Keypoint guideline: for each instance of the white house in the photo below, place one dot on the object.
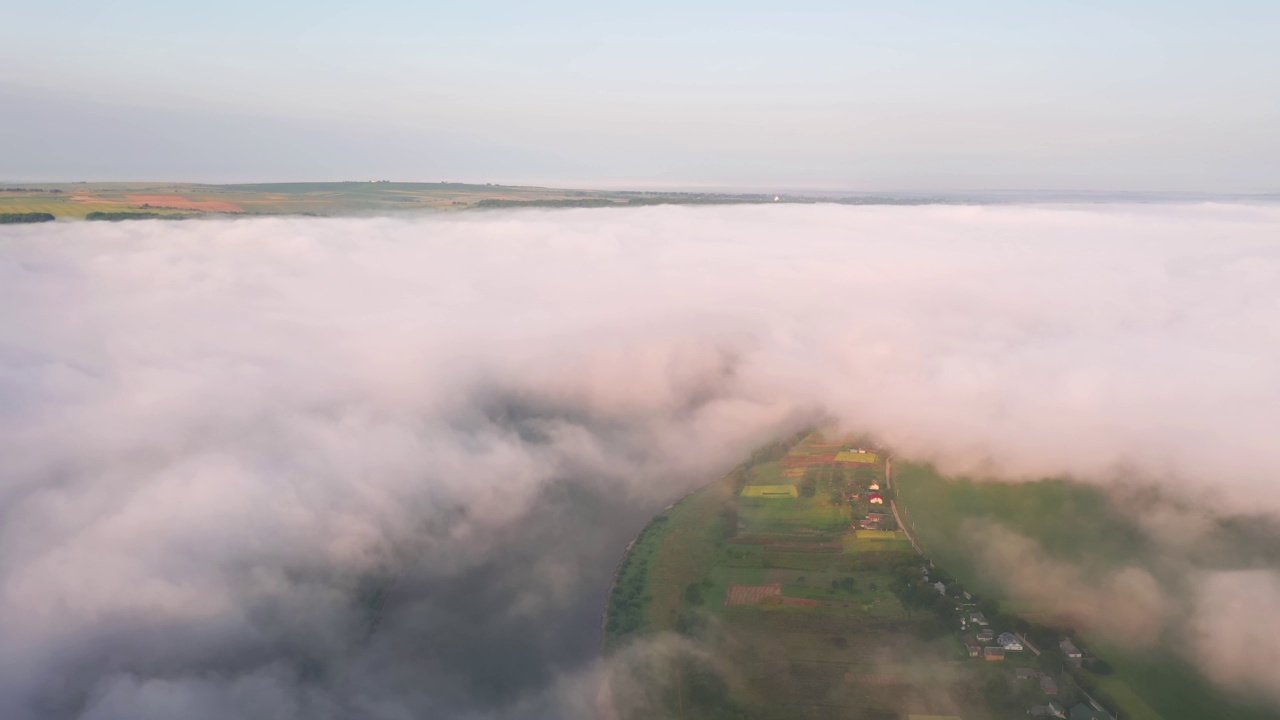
(1009, 641)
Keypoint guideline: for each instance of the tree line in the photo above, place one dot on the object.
(128, 215)
(30, 217)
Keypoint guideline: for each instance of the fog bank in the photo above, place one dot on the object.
(382, 468)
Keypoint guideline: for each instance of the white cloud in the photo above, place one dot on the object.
(1235, 629)
(214, 432)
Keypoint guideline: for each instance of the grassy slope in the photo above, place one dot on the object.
(688, 551)
(675, 549)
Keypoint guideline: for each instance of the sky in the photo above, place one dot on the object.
(219, 435)
(856, 96)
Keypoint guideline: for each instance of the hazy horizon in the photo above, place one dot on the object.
(976, 196)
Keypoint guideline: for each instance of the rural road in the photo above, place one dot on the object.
(893, 505)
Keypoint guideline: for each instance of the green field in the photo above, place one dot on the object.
(845, 629)
(770, 491)
(783, 514)
(808, 617)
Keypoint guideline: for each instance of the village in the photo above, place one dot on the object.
(1049, 676)
(981, 641)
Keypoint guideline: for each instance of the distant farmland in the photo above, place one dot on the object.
(77, 200)
(73, 201)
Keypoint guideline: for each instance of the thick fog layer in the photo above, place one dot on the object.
(383, 468)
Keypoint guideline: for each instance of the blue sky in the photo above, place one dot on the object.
(857, 96)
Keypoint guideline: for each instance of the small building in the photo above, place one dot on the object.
(987, 635)
(979, 619)
(877, 521)
(993, 653)
(972, 645)
(874, 485)
(941, 588)
(875, 498)
(1009, 641)
(1074, 655)
(1048, 686)
(1024, 673)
